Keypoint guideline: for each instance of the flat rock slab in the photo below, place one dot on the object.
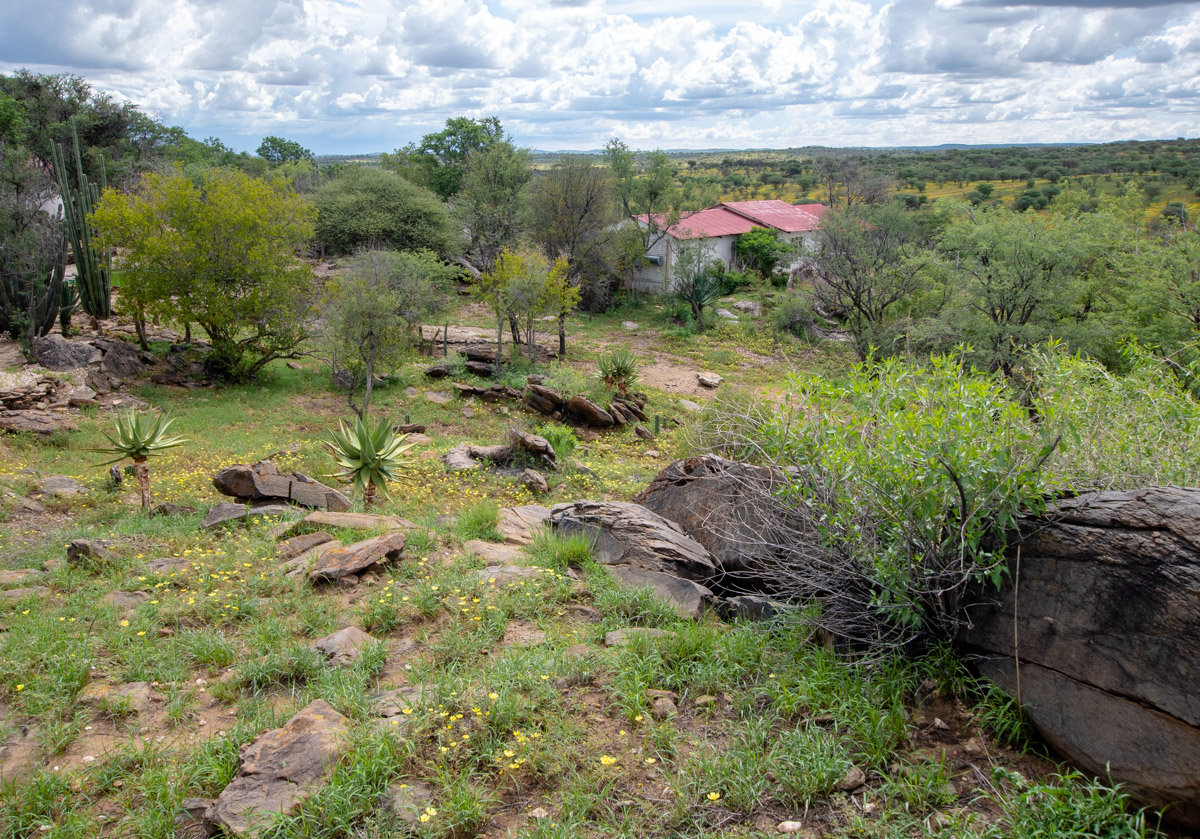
(226, 513)
(18, 594)
(345, 521)
(633, 635)
(494, 554)
(60, 486)
(506, 574)
(89, 551)
(20, 577)
(343, 646)
(393, 702)
(168, 566)
(300, 545)
(405, 802)
(280, 769)
(351, 559)
(518, 525)
(520, 633)
(134, 695)
(20, 755)
(264, 480)
(459, 459)
(125, 601)
(439, 397)
(629, 534)
(688, 598)
(35, 422)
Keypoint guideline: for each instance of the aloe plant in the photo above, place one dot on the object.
(370, 457)
(139, 437)
(618, 369)
(94, 269)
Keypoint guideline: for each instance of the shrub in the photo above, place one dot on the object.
(794, 314)
(370, 207)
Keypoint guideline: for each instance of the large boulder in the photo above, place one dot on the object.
(280, 769)
(629, 534)
(264, 480)
(1097, 632)
(54, 352)
(689, 598)
(121, 361)
(351, 560)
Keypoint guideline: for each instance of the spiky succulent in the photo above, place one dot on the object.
(618, 368)
(138, 437)
(369, 457)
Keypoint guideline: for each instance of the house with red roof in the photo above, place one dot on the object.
(718, 228)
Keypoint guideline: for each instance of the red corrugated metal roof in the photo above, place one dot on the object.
(704, 224)
(790, 218)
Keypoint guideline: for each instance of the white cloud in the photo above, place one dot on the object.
(349, 76)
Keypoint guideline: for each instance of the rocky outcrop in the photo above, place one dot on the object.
(54, 352)
(265, 481)
(689, 598)
(42, 423)
(280, 769)
(518, 525)
(225, 513)
(1103, 599)
(352, 560)
(629, 534)
(521, 446)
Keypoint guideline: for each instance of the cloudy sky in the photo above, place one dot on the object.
(345, 76)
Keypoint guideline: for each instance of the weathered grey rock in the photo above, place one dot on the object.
(643, 432)
(630, 534)
(60, 486)
(584, 410)
(135, 696)
(121, 362)
(725, 314)
(224, 513)
(635, 634)
(169, 566)
(125, 601)
(280, 769)
(730, 508)
(264, 480)
(343, 646)
(709, 380)
(459, 459)
(437, 371)
(54, 352)
(533, 446)
(518, 525)
(1108, 621)
(19, 576)
(405, 802)
(89, 551)
(16, 595)
(352, 559)
(688, 598)
(535, 482)
(493, 553)
(479, 368)
(751, 607)
(395, 701)
(629, 326)
(337, 521)
(289, 549)
(81, 397)
(749, 307)
(663, 707)
(190, 822)
(689, 405)
(852, 780)
(439, 397)
(504, 574)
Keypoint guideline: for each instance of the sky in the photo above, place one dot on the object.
(358, 76)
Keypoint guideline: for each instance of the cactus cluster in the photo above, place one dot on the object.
(93, 268)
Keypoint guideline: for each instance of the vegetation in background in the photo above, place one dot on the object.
(372, 208)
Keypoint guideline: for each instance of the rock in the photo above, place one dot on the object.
(125, 601)
(135, 696)
(89, 551)
(406, 802)
(343, 646)
(410, 428)
(706, 700)
(439, 397)
(437, 371)
(587, 614)
(651, 453)
(727, 315)
(629, 534)
(16, 595)
(480, 368)
(291, 365)
(19, 576)
(625, 637)
(663, 707)
(1108, 619)
(730, 508)
(520, 633)
(791, 827)
(459, 459)
(351, 559)
(533, 446)
(535, 482)
(290, 549)
(349, 521)
(54, 352)
(539, 813)
(518, 525)
(505, 574)
(81, 397)
(852, 780)
(264, 481)
(190, 822)
(60, 486)
(280, 769)
(643, 432)
(395, 701)
(167, 566)
(121, 362)
(417, 438)
(751, 607)
(688, 598)
(224, 513)
(19, 755)
(709, 380)
(584, 410)
(492, 553)
(629, 326)
(749, 307)
(689, 405)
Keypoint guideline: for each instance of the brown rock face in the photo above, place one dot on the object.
(264, 480)
(1107, 622)
(584, 410)
(351, 559)
(280, 769)
(519, 524)
(343, 646)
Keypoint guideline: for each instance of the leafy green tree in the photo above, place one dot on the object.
(278, 150)
(761, 250)
(525, 285)
(439, 161)
(221, 254)
(370, 207)
(492, 203)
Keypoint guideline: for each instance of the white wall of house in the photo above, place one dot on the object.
(653, 276)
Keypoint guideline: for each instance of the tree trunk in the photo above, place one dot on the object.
(141, 470)
(368, 495)
(562, 334)
(499, 343)
(366, 404)
(515, 326)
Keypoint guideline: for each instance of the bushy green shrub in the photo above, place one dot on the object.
(371, 207)
(794, 314)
